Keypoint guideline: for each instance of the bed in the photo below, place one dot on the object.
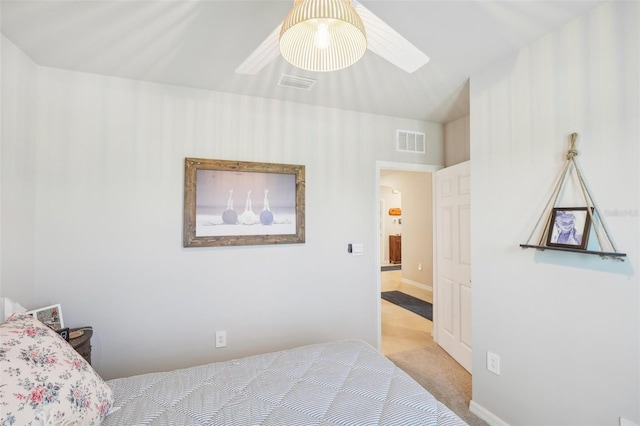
(344, 382)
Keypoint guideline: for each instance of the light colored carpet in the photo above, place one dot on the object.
(438, 373)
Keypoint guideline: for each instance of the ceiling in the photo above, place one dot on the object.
(199, 44)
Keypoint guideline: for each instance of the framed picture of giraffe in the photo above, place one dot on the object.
(234, 203)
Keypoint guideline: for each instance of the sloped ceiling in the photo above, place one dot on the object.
(199, 44)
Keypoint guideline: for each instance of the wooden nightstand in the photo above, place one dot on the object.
(82, 344)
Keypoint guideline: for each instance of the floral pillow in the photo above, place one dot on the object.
(44, 381)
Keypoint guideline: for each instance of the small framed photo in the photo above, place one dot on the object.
(569, 227)
(50, 316)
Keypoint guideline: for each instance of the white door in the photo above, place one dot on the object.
(452, 289)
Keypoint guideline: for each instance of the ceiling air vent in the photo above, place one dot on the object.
(408, 141)
(294, 82)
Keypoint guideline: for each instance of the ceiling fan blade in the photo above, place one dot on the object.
(268, 50)
(387, 43)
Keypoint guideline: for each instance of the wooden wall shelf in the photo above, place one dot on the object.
(602, 233)
(603, 254)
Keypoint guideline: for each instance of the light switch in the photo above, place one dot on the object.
(357, 249)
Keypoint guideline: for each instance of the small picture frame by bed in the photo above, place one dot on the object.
(235, 203)
(50, 316)
(569, 227)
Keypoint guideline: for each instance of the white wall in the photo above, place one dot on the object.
(17, 165)
(565, 325)
(107, 224)
(456, 141)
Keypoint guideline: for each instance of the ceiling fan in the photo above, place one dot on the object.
(381, 39)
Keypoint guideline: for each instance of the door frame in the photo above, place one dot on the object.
(401, 167)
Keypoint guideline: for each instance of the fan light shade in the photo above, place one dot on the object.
(322, 35)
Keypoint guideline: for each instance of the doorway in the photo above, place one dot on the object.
(390, 225)
(415, 272)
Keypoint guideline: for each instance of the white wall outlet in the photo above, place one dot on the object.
(221, 339)
(493, 363)
(419, 266)
(357, 249)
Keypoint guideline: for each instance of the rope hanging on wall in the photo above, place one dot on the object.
(607, 246)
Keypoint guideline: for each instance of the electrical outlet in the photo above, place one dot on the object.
(221, 339)
(419, 266)
(493, 363)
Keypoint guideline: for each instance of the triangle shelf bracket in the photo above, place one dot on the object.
(606, 243)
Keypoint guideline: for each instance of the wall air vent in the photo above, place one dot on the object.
(408, 141)
(295, 82)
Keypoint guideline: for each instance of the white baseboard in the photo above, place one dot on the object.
(486, 415)
(417, 284)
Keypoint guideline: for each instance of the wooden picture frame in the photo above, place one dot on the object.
(221, 198)
(569, 227)
(50, 316)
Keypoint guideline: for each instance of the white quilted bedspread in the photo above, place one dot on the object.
(337, 383)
